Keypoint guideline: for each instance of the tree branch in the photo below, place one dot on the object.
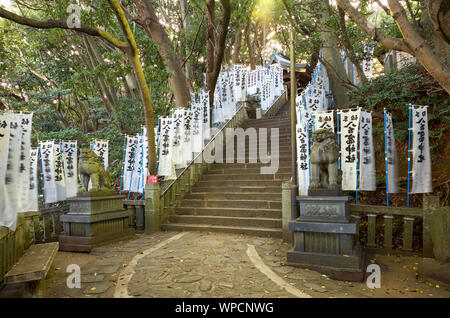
(376, 34)
(61, 24)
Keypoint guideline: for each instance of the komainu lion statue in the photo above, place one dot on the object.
(324, 160)
(91, 168)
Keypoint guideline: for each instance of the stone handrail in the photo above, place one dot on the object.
(276, 105)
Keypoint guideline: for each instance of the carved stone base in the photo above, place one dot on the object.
(324, 208)
(94, 221)
(324, 238)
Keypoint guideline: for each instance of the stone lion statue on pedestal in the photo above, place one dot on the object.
(91, 169)
(324, 160)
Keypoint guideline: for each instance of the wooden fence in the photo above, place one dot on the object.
(32, 228)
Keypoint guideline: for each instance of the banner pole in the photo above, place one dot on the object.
(64, 169)
(409, 154)
(386, 157)
(339, 138)
(131, 177)
(141, 163)
(42, 175)
(123, 163)
(357, 160)
(157, 145)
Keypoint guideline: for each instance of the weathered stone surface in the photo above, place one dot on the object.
(225, 285)
(205, 285)
(440, 233)
(92, 278)
(315, 287)
(283, 269)
(97, 288)
(188, 278)
(109, 269)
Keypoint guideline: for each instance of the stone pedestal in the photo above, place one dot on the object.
(324, 238)
(93, 221)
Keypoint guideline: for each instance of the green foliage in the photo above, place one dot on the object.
(395, 91)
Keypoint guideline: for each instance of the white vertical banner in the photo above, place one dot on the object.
(391, 155)
(5, 125)
(101, 150)
(218, 107)
(33, 196)
(302, 156)
(421, 160)
(349, 154)
(367, 176)
(324, 121)
(178, 127)
(24, 159)
(70, 161)
(10, 207)
(145, 159)
(137, 165)
(165, 166)
(367, 61)
(131, 148)
(316, 98)
(197, 128)
(204, 101)
(187, 136)
(60, 179)
(48, 171)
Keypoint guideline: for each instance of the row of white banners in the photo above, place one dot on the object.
(238, 82)
(356, 137)
(180, 136)
(19, 168)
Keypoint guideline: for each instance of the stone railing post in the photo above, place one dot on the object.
(430, 204)
(152, 201)
(287, 197)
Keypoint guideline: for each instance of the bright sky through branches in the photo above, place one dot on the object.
(5, 3)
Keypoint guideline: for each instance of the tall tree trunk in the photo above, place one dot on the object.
(133, 55)
(334, 64)
(184, 8)
(237, 45)
(248, 43)
(215, 48)
(149, 21)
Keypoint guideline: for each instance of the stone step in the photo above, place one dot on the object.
(239, 183)
(281, 152)
(226, 221)
(262, 232)
(281, 157)
(233, 196)
(231, 212)
(232, 170)
(252, 204)
(282, 164)
(243, 189)
(268, 121)
(235, 177)
(282, 147)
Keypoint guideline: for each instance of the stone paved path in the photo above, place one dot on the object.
(199, 264)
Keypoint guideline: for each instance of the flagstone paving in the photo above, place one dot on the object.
(200, 264)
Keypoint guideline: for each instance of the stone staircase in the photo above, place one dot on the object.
(236, 197)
